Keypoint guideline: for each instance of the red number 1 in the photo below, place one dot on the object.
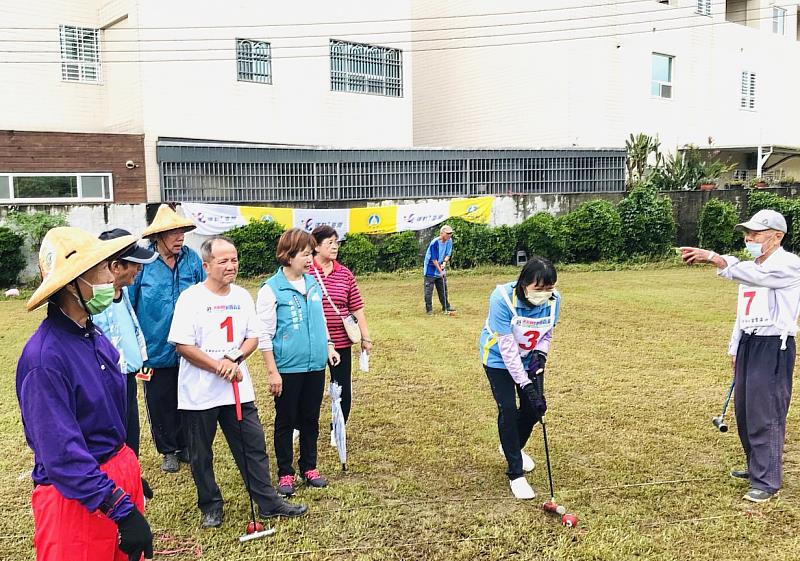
(228, 323)
(750, 294)
(533, 337)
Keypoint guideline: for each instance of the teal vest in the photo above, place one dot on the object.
(300, 343)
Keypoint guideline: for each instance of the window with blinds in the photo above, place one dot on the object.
(254, 61)
(704, 7)
(748, 97)
(80, 53)
(370, 69)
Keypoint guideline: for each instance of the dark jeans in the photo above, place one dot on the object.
(132, 422)
(761, 399)
(441, 291)
(513, 423)
(161, 397)
(201, 428)
(342, 375)
(298, 406)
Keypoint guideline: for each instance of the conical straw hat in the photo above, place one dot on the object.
(167, 219)
(66, 253)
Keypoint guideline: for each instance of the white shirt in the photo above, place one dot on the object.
(266, 310)
(779, 272)
(215, 324)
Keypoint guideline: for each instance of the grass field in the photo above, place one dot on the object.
(637, 369)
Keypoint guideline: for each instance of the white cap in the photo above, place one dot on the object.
(764, 220)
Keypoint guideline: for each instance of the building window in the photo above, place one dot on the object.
(748, 99)
(778, 20)
(55, 187)
(661, 84)
(366, 69)
(80, 53)
(704, 7)
(254, 61)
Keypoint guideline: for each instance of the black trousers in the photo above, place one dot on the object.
(298, 406)
(161, 397)
(761, 399)
(513, 423)
(201, 428)
(441, 292)
(343, 375)
(132, 421)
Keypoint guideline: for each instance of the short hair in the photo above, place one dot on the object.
(322, 233)
(292, 242)
(537, 270)
(207, 248)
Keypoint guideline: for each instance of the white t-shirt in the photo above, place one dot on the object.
(215, 324)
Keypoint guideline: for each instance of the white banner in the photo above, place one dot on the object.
(212, 220)
(309, 218)
(422, 215)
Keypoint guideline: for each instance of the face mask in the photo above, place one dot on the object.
(755, 249)
(538, 297)
(102, 296)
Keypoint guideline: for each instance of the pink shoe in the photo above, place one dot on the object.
(286, 485)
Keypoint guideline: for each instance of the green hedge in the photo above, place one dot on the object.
(592, 232)
(10, 256)
(789, 208)
(647, 225)
(398, 251)
(715, 228)
(358, 254)
(257, 243)
(543, 235)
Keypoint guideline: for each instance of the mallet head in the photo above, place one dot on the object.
(719, 422)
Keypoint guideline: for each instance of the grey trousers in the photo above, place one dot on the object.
(761, 399)
(441, 292)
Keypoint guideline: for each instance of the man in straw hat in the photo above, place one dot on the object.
(153, 294)
(87, 498)
(762, 345)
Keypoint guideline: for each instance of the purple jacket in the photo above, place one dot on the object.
(73, 402)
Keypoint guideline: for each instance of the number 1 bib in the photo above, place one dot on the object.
(753, 306)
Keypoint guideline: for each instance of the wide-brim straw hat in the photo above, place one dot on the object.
(167, 219)
(65, 254)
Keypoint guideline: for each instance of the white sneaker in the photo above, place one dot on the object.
(295, 435)
(522, 489)
(333, 440)
(527, 462)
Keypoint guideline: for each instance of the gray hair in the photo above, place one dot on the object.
(206, 250)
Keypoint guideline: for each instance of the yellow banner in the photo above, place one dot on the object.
(374, 220)
(283, 216)
(477, 209)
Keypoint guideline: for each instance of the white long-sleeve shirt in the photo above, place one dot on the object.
(779, 272)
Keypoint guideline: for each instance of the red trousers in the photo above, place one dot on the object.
(65, 531)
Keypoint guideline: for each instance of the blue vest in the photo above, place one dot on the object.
(300, 343)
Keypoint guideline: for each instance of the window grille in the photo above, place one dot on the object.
(254, 61)
(80, 53)
(748, 98)
(361, 68)
(661, 80)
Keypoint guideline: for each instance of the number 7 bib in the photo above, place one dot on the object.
(753, 306)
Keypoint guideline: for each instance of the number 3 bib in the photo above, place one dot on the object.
(753, 308)
(528, 331)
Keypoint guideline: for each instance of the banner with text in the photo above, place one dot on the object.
(214, 219)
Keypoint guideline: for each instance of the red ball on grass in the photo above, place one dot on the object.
(569, 520)
(254, 527)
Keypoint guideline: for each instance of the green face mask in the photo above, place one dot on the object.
(102, 296)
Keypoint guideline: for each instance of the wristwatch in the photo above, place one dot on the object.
(235, 355)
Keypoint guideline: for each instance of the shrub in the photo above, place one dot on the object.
(592, 232)
(715, 231)
(503, 245)
(647, 226)
(542, 234)
(10, 256)
(358, 254)
(35, 224)
(257, 243)
(398, 251)
(472, 244)
(789, 208)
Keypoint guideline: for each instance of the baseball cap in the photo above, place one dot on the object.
(446, 229)
(764, 220)
(135, 253)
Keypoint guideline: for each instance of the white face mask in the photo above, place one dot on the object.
(538, 297)
(755, 249)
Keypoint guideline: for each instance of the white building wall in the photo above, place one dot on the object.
(581, 76)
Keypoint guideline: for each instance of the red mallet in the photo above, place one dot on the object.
(553, 507)
(569, 520)
(254, 527)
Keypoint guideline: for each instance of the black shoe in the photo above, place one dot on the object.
(170, 463)
(285, 509)
(429, 312)
(183, 456)
(740, 473)
(212, 519)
